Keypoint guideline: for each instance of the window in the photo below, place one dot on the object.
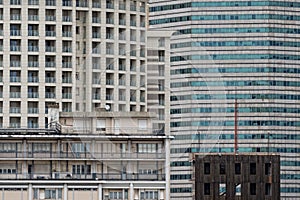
(206, 168)
(222, 189)
(41, 147)
(222, 168)
(142, 124)
(206, 189)
(100, 125)
(252, 168)
(81, 169)
(149, 195)
(267, 168)
(252, 188)
(268, 189)
(237, 168)
(238, 189)
(147, 148)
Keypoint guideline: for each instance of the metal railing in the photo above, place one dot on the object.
(79, 155)
(91, 176)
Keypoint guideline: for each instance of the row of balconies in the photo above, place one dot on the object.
(14, 175)
(78, 155)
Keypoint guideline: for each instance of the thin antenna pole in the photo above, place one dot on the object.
(235, 127)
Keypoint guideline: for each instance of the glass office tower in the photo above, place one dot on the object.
(222, 51)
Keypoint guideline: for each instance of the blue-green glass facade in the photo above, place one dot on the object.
(227, 50)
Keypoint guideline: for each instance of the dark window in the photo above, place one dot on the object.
(237, 168)
(252, 188)
(253, 168)
(267, 168)
(268, 189)
(206, 168)
(206, 189)
(222, 168)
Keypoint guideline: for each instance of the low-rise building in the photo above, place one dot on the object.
(237, 176)
(68, 163)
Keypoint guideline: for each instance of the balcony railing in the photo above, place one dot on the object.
(33, 110)
(33, 33)
(79, 155)
(33, 18)
(88, 176)
(15, 94)
(33, 95)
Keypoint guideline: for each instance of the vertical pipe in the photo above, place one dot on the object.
(235, 127)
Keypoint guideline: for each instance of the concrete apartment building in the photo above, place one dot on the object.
(99, 162)
(227, 50)
(83, 54)
(74, 118)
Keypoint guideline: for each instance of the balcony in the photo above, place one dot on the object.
(132, 7)
(122, 67)
(67, 49)
(33, 64)
(109, 21)
(122, 22)
(96, 96)
(50, 95)
(96, 5)
(50, 64)
(96, 35)
(15, 2)
(33, 79)
(14, 125)
(15, 17)
(122, 98)
(67, 65)
(122, 6)
(109, 97)
(33, 95)
(50, 49)
(50, 79)
(96, 81)
(110, 5)
(15, 48)
(110, 67)
(15, 79)
(50, 2)
(15, 32)
(110, 51)
(96, 66)
(33, 18)
(32, 125)
(132, 23)
(15, 63)
(15, 94)
(67, 19)
(67, 80)
(67, 34)
(33, 110)
(33, 48)
(67, 95)
(14, 110)
(122, 82)
(33, 33)
(132, 83)
(81, 3)
(33, 2)
(50, 18)
(142, 9)
(67, 3)
(50, 33)
(109, 82)
(96, 19)
(109, 36)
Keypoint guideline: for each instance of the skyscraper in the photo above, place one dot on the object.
(82, 54)
(227, 50)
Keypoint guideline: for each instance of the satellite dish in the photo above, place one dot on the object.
(107, 107)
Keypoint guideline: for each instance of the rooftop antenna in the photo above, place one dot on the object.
(235, 127)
